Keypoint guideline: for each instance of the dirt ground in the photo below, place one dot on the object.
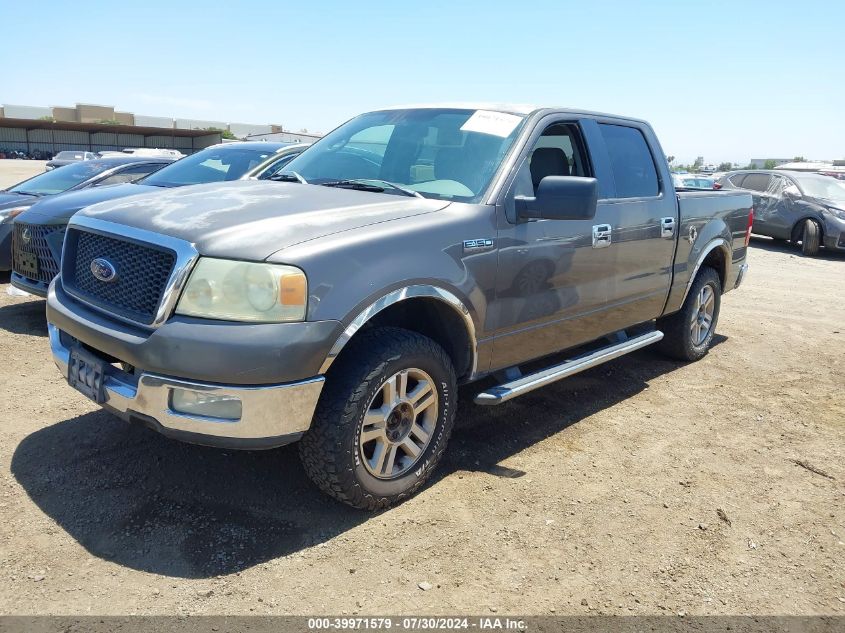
(13, 171)
(641, 487)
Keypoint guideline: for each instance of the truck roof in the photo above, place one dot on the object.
(510, 108)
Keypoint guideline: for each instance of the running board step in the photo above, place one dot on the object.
(507, 391)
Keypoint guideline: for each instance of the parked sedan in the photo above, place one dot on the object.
(67, 157)
(81, 175)
(39, 232)
(804, 208)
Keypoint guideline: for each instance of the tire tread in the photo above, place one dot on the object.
(348, 382)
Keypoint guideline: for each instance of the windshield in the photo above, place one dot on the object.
(823, 187)
(70, 156)
(449, 154)
(61, 179)
(214, 164)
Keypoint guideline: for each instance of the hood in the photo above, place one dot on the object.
(9, 199)
(252, 219)
(830, 202)
(58, 209)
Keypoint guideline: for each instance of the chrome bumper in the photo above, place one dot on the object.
(272, 415)
(743, 269)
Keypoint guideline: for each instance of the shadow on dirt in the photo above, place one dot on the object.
(26, 317)
(782, 246)
(140, 500)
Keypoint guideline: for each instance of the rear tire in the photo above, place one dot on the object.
(687, 334)
(383, 420)
(810, 238)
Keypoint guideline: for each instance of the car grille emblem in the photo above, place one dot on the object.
(103, 270)
(26, 235)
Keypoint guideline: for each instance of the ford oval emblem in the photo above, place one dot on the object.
(103, 269)
(26, 235)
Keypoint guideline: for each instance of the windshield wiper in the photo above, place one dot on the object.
(290, 176)
(28, 193)
(363, 184)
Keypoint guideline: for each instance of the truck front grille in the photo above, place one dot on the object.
(32, 239)
(142, 273)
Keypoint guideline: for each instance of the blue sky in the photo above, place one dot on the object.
(725, 80)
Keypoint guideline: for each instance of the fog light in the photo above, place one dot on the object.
(205, 404)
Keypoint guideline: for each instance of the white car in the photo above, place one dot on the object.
(693, 181)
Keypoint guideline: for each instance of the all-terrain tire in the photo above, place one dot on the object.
(677, 328)
(330, 451)
(810, 238)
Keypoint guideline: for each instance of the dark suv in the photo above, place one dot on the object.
(86, 174)
(800, 207)
(39, 231)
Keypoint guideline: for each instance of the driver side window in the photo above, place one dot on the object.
(558, 152)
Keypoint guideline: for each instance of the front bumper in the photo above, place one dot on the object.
(834, 233)
(38, 288)
(6, 245)
(271, 415)
(200, 350)
(743, 269)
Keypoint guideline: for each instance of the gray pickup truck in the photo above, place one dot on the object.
(412, 250)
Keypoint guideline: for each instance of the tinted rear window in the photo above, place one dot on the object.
(631, 161)
(756, 182)
(736, 180)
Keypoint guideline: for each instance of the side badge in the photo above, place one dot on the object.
(477, 245)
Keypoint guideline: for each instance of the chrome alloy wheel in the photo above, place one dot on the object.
(399, 424)
(702, 321)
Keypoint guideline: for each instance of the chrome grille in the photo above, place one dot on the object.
(39, 241)
(143, 271)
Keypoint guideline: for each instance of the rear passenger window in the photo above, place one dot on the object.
(756, 182)
(736, 180)
(631, 161)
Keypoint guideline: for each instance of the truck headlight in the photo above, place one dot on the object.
(244, 291)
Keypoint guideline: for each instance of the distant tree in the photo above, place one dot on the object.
(670, 159)
(47, 118)
(725, 167)
(769, 164)
(109, 122)
(303, 131)
(223, 133)
(697, 164)
(799, 159)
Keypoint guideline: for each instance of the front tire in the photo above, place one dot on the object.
(687, 334)
(383, 420)
(810, 238)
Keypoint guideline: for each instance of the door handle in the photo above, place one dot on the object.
(601, 235)
(667, 227)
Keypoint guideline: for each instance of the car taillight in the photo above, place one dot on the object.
(750, 224)
(716, 185)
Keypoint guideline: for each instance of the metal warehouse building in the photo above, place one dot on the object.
(31, 135)
(49, 130)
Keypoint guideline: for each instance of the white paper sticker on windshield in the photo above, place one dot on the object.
(495, 123)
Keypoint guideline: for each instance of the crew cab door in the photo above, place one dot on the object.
(644, 217)
(562, 283)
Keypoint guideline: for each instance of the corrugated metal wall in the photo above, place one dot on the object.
(55, 141)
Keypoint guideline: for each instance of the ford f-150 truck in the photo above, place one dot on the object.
(413, 250)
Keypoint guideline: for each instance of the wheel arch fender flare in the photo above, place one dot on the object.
(725, 248)
(416, 291)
